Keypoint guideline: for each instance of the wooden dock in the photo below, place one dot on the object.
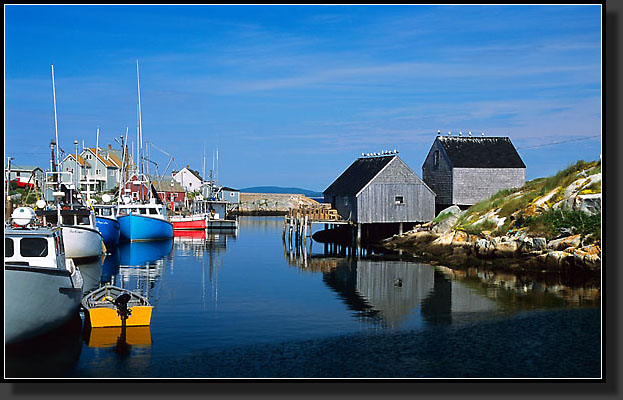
(297, 227)
(298, 222)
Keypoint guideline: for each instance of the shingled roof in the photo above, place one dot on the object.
(481, 152)
(360, 172)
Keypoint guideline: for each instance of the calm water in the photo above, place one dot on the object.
(242, 304)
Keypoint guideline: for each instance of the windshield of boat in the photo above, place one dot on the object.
(33, 247)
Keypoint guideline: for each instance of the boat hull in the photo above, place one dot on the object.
(37, 300)
(108, 317)
(82, 243)
(110, 230)
(142, 227)
(194, 222)
(222, 224)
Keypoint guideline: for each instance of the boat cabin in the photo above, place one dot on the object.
(105, 210)
(38, 247)
(152, 210)
(76, 217)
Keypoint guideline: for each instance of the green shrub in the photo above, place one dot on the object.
(553, 222)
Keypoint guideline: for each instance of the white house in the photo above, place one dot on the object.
(189, 179)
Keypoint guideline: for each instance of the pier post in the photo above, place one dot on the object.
(400, 228)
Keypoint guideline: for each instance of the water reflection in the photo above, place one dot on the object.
(92, 274)
(206, 247)
(114, 336)
(138, 254)
(53, 354)
(389, 290)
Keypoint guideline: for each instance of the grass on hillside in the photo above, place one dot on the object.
(550, 224)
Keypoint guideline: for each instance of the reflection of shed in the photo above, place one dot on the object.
(392, 291)
(381, 190)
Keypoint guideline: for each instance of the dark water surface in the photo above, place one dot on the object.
(241, 304)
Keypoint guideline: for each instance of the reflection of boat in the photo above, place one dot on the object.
(115, 306)
(190, 234)
(110, 266)
(141, 253)
(42, 288)
(107, 224)
(50, 355)
(109, 336)
(91, 274)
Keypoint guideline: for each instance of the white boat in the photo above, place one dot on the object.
(83, 241)
(43, 288)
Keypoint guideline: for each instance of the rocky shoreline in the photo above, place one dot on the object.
(515, 250)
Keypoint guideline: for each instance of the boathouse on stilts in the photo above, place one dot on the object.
(380, 196)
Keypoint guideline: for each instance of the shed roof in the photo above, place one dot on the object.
(360, 172)
(481, 152)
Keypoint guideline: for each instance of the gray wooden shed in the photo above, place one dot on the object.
(381, 189)
(466, 170)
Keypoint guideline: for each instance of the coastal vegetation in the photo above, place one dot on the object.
(552, 222)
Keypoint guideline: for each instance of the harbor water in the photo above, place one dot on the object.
(242, 304)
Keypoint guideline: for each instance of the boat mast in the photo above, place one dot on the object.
(140, 128)
(55, 123)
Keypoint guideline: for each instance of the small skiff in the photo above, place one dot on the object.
(112, 306)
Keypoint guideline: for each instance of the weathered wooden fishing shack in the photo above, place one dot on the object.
(465, 170)
(380, 190)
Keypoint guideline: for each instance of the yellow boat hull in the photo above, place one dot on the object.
(105, 317)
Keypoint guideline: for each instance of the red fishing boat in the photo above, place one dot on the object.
(191, 222)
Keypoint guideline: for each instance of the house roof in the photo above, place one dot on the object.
(360, 172)
(230, 189)
(105, 161)
(81, 160)
(481, 152)
(192, 171)
(163, 184)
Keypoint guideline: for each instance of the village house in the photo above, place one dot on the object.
(102, 171)
(188, 178)
(26, 175)
(465, 170)
(74, 171)
(170, 191)
(381, 189)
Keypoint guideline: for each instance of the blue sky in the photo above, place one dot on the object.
(292, 95)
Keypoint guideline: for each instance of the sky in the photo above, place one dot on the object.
(291, 95)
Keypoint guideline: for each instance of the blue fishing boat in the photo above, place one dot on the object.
(107, 223)
(141, 222)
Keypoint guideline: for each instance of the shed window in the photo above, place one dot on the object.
(33, 247)
(399, 200)
(436, 157)
(8, 247)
